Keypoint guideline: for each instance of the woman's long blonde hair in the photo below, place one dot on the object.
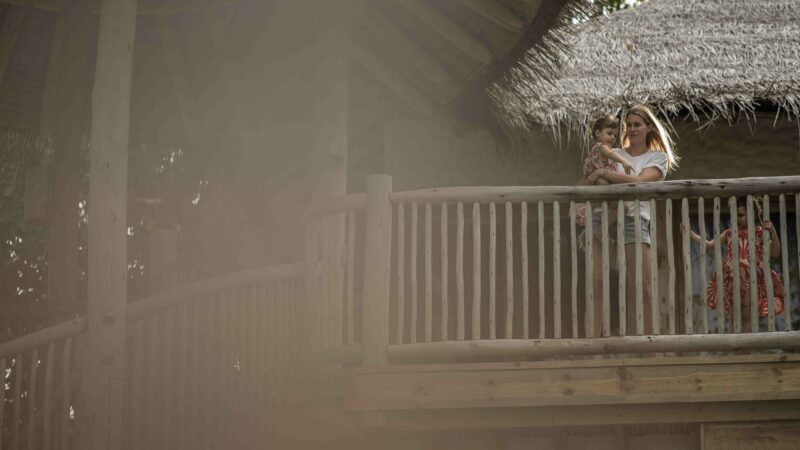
(657, 140)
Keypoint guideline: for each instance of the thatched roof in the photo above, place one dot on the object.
(711, 57)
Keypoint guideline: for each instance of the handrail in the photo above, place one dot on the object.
(148, 305)
(589, 346)
(665, 189)
(344, 203)
(173, 297)
(38, 338)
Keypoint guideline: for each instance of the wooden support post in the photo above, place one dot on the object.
(377, 258)
(101, 414)
(8, 35)
(63, 112)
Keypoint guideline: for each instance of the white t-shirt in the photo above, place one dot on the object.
(649, 159)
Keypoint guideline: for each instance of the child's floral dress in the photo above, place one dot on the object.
(744, 276)
(594, 160)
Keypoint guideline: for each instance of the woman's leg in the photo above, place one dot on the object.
(630, 295)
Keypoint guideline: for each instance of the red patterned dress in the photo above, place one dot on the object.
(744, 276)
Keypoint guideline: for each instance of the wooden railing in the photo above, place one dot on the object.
(482, 271)
(206, 366)
(208, 362)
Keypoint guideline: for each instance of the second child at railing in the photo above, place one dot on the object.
(727, 239)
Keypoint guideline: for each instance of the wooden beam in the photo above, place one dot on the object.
(150, 8)
(402, 46)
(745, 436)
(617, 383)
(664, 189)
(593, 415)
(449, 30)
(105, 356)
(383, 70)
(496, 13)
(8, 36)
(63, 114)
(588, 346)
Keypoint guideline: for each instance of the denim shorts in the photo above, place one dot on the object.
(630, 228)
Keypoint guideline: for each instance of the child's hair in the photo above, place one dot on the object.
(658, 140)
(603, 122)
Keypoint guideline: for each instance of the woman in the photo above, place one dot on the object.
(648, 147)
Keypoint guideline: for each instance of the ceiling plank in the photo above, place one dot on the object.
(384, 72)
(8, 36)
(496, 13)
(403, 47)
(449, 30)
(153, 8)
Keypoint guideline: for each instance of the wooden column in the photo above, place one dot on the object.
(101, 411)
(63, 114)
(377, 256)
(331, 112)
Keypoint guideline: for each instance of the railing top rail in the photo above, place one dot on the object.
(149, 305)
(632, 191)
(345, 203)
(172, 297)
(53, 333)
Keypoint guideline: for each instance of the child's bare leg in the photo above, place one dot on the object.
(602, 182)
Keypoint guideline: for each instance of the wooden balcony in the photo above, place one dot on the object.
(448, 309)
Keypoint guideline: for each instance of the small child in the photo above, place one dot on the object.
(744, 266)
(602, 156)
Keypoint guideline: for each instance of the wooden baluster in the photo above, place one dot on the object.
(17, 396)
(135, 374)
(327, 293)
(622, 286)
(737, 300)
(701, 223)
(751, 243)
(720, 310)
(197, 368)
(589, 309)
(542, 270)
(428, 275)
(183, 373)
(66, 393)
(785, 261)
(460, 272)
(671, 265)
(413, 274)
(167, 380)
(47, 404)
(637, 223)
(401, 279)
(687, 269)
(32, 391)
(574, 278)
(766, 236)
(351, 268)
(445, 257)
(492, 271)
(3, 369)
(509, 272)
(655, 302)
(606, 271)
(153, 343)
(556, 270)
(476, 271)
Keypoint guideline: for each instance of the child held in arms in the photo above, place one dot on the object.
(602, 156)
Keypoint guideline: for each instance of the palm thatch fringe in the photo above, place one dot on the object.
(714, 59)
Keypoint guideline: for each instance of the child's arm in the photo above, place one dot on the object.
(775, 244)
(697, 238)
(608, 153)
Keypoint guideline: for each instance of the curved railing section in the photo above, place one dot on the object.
(206, 363)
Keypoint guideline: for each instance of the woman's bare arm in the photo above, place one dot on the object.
(649, 174)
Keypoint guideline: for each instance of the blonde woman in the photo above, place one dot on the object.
(648, 147)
